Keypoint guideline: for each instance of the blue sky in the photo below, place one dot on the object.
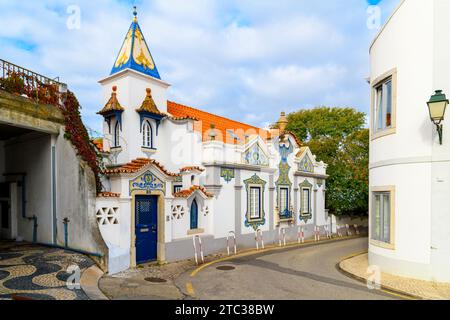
(247, 60)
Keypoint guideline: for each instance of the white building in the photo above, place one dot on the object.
(409, 169)
(174, 172)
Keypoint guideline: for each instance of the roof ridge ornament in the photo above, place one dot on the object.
(135, 14)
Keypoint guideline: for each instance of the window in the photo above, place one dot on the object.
(255, 202)
(117, 135)
(284, 200)
(177, 188)
(147, 141)
(381, 217)
(194, 215)
(306, 201)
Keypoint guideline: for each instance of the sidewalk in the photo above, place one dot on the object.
(357, 266)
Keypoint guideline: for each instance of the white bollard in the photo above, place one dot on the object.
(327, 232)
(259, 236)
(301, 235)
(356, 229)
(349, 233)
(282, 232)
(338, 230)
(232, 236)
(317, 233)
(200, 249)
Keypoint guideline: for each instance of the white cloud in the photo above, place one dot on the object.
(243, 59)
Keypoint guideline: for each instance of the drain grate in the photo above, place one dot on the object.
(155, 280)
(225, 268)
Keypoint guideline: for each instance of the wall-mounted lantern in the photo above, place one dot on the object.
(437, 105)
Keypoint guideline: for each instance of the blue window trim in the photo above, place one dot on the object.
(117, 135)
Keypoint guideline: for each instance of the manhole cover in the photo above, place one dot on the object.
(155, 280)
(225, 268)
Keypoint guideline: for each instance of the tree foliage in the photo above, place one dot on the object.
(337, 136)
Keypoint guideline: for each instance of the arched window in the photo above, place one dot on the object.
(117, 135)
(194, 215)
(147, 141)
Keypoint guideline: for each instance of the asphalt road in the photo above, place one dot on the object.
(301, 273)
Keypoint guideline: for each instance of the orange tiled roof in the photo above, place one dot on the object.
(98, 143)
(300, 153)
(191, 169)
(191, 190)
(136, 165)
(108, 195)
(221, 124)
(112, 104)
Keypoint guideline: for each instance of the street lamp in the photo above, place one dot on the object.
(437, 105)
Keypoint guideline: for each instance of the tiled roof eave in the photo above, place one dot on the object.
(136, 166)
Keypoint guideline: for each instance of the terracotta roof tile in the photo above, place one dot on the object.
(191, 190)
(222, 125)
(98, 143)
(191, 169)
(149, 105)
(112, 104)
(136, 165)
(301, 151)
(108, 195)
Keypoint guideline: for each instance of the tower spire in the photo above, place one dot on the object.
(134, 53)
(135, 14)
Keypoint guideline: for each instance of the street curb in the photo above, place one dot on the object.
(384, 288)
(268, 249)
(89, 283)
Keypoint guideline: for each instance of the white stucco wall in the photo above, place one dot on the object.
(415, 42)
(37, 167)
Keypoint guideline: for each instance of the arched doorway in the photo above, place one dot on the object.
(194, 215)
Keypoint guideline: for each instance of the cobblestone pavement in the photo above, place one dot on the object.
(35, 272)
(132, 283)
(357, 266)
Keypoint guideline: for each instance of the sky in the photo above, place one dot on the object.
(243, 59)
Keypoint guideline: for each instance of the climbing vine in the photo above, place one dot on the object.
(76, 132)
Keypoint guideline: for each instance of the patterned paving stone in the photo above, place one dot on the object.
(38, 273)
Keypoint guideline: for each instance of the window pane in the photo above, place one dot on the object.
(376, 228)
(386, 218)
(305, 201)
(255, 202)
(379, 109)
(284, 198)
(388, 103)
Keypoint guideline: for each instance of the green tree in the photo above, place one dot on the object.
(337, 136)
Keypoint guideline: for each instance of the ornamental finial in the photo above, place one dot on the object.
(135, 13)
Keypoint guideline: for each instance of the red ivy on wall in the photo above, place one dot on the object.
(76, 132)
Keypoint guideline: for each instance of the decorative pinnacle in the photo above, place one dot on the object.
(135, 13)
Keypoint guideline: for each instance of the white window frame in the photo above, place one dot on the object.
(147, 135)
(255, 206)
(385, 194)
(379, 123)
(284, 200)
(302, 202)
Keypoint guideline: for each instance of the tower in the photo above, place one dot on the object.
(135, 100)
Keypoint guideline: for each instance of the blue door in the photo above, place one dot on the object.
(146, 228)
(194, 215)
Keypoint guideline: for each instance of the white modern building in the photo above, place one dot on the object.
(409, 168)
(174, 172)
